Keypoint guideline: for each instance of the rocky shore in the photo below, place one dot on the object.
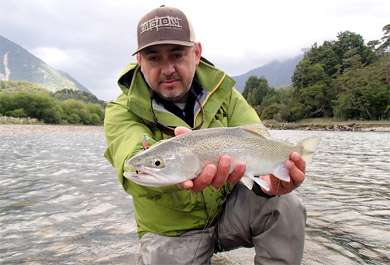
(331, 127)
(61, 129)
(48, 129)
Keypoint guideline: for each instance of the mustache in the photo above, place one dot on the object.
(172, 77)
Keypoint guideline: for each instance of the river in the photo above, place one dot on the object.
(60, 202)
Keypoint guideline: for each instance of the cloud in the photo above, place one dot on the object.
(93, 40)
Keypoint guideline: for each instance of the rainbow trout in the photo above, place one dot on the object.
(185, 156)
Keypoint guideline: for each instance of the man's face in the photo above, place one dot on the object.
(169, 69)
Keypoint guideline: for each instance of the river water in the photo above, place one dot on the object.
(60, 202)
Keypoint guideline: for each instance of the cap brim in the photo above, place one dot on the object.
(174, 42)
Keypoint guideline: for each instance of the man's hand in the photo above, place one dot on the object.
(296, 166)
(213, 175)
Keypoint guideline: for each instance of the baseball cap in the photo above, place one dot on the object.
(164, 25)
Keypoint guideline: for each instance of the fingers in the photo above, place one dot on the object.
(186, 185)
(299, 162)
(296, 167)
(223, 171)
(201, 182)
(216, 176)
(204, 179)
(277, 187)
(238, 173)
(180, 130)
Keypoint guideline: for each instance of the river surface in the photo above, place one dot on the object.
(60, 201)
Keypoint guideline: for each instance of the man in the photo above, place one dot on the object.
(170, 89)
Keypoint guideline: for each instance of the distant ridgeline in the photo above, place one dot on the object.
(16, 63)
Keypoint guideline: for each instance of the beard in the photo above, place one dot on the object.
(169, 94)
(174, 97)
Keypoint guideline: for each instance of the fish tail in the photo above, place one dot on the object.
(309, 146)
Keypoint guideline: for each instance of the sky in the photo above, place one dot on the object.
(93, 40)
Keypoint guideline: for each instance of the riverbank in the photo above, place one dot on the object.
(48, 129)
(309, 125)
(330, 125)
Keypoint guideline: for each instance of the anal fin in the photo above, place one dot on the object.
(282, 173)
(261, 182)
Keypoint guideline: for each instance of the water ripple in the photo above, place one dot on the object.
(60, 201)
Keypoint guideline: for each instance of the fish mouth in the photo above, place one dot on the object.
(139, 174)
(145, 179)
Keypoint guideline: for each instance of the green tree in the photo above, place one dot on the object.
(77, 111)
(385, 45)
(6, 103)
(251, 84)
(270, 111)
(261, 90)
(363, 94)
(18, 113)
(316, 75)
(65, 94)
(34, 105)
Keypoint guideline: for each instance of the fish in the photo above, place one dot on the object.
(184, 156)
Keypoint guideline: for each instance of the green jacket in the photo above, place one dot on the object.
(169, 210)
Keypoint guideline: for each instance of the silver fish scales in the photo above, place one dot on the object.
(185, 156)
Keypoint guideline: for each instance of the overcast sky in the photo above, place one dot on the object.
(92, 40)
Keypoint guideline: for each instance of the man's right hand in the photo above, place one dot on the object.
(213, 175)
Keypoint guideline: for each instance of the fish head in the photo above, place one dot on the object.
(163, 166)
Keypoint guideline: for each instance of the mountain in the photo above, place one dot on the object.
(16, 63)
(277, 73)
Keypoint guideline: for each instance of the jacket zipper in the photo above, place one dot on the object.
(208, 96)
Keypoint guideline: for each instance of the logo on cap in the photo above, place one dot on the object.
(160, 22)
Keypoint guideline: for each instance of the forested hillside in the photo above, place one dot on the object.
(22, 99)
(344, 78)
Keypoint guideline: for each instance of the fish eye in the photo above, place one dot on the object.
(157, 163)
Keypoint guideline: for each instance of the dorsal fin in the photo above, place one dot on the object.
(257, 128)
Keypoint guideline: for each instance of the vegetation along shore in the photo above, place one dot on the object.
(330, 125)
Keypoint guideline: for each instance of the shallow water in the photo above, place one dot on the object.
(60, 201)
(347, 198)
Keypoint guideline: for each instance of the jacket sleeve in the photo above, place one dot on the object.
(124, 132)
